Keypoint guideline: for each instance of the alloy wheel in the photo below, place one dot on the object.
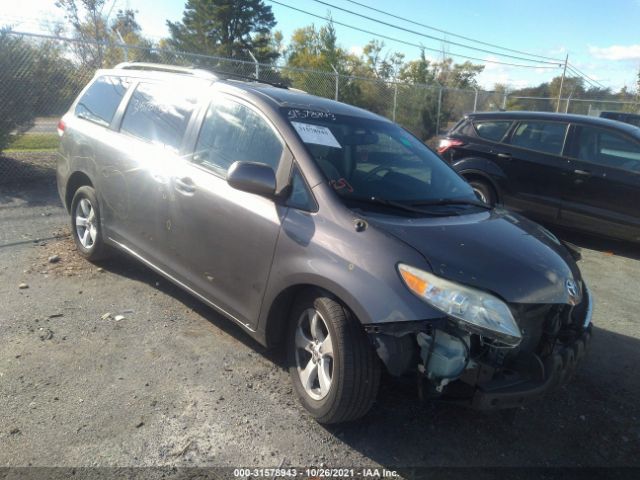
(86, 227)
(314, 354)
(480, 194)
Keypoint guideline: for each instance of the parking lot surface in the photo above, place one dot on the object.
(164, 380)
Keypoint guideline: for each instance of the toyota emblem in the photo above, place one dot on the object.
(572, 288)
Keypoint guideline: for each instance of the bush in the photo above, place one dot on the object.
(36, 79)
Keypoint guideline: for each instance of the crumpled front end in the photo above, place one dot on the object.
(476, 370)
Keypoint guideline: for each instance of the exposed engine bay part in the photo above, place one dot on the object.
(398, 353)
(482, 372)
(444, 357)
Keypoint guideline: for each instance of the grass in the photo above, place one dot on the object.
(34, 142)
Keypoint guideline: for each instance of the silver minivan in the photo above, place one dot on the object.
(326, 230)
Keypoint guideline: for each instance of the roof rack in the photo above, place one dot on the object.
(201, 73)
(196, 72)
(239, 78)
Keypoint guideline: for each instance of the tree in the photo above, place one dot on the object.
(418, 71)
(226, 28)
(89, 23)
(437, 88)
(125, 29)
(36, 79)
(317, 49)
(97, 35)
(369, 80)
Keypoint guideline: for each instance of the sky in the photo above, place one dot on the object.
(601, 38)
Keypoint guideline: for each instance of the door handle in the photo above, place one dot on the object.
(504, 155)
(159, 178)
(584, 173)
(185, 185)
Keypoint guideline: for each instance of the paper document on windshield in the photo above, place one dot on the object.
(316, 134)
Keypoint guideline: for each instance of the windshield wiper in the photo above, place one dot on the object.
(445, 201)
(397, 205)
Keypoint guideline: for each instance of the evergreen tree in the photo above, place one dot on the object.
(226, 28)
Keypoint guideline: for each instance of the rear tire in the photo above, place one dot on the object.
(86, 227)
(334, 369)
(484, 191)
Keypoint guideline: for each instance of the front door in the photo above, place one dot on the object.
(222, 240)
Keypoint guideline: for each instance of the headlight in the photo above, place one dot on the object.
(473, 310)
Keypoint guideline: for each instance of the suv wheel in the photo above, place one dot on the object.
(85, 224)
(484, 191)
(334, 369)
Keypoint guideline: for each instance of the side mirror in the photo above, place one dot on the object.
(252, 177)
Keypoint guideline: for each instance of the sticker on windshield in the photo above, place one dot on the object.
(301, 113)
(316, 134)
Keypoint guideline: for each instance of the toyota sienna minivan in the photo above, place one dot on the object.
(324, 229)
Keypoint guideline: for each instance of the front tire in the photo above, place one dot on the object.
(86, 228)
(333, 368)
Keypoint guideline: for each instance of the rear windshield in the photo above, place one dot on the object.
(364, 158)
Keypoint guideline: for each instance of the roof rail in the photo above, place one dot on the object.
(196, 72)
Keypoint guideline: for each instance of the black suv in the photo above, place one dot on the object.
(572, 170)
(630, 118)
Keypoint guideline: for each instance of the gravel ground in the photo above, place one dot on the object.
(173, 383)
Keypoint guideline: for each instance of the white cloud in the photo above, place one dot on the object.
(616, 52)
(514, 77)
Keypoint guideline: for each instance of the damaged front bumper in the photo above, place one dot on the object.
(486, 382)
(533, 379)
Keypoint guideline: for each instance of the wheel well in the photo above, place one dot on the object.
(77, 180)
(470, 176)
(280, 311)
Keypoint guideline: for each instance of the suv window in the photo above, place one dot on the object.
(603, 147)
(546, 137)
(234, 132)
(100, 102)
(159, 114)
(492, 130)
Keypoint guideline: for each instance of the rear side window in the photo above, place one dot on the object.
(159, 114)
(546, 137)
(465, 128)
(492, 130)
(233, 132)
(100, 102)
(605, 148)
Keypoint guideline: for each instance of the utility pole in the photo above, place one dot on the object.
(255, 61)
(564, 72)
(337, 81)
(125, 49)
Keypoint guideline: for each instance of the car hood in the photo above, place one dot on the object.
(496, 251)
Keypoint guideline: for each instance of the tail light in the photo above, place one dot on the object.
(61, 127)
(447, 143)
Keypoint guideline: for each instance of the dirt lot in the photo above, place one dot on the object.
(173, 383)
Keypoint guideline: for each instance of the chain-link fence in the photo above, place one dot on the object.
(40, 75)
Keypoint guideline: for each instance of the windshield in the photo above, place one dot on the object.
(365, 159)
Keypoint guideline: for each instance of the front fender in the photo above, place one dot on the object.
(357, 267)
